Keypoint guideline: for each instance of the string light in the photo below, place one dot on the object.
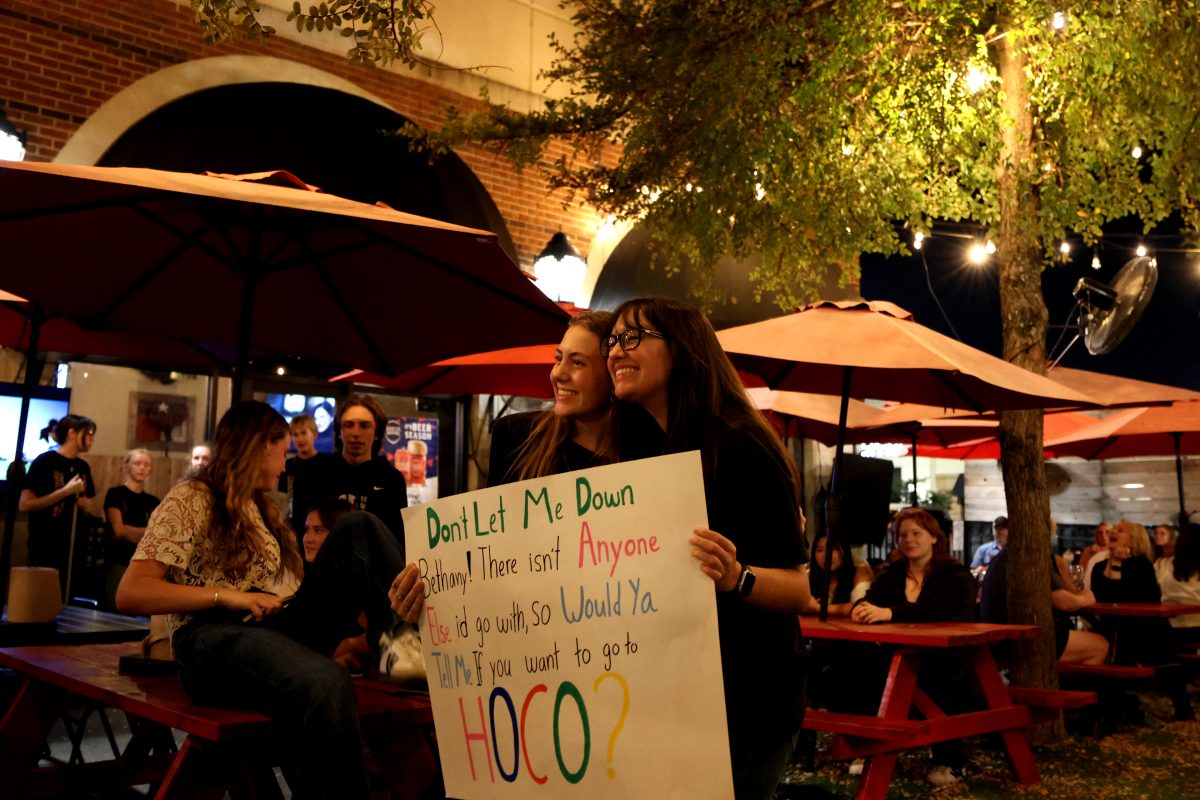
(918, 240)
(759, 191)
(990, 247)
(1058, 21)
(1065, 248)
(977, 254)
(1141, 250)
(977, 78)
(847, 149)
(1095, 260)
(1136, 152)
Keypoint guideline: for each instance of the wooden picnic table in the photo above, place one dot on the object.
(214, 757)
(1140, 609)
(76, 625)
(878, 740)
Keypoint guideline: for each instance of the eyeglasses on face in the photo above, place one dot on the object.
(629, 339)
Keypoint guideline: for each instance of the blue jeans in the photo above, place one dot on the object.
(282, 667)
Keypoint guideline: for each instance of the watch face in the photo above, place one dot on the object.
(746, 584)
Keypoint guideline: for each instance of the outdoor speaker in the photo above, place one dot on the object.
(865, 486)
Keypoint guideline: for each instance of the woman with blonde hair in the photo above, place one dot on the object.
(217, 553)
(127, 509)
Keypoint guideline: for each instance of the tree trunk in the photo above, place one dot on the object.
(1024, 320)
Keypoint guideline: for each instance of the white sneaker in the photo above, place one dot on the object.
(943, 776)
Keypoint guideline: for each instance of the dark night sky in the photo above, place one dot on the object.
(1163, 346)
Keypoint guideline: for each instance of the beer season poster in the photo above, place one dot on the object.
(410, 444)
(570, 638)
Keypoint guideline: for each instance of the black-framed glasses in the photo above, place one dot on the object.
(629, 338)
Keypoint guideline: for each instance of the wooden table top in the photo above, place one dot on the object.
(1141, 609)
(922, 634)
(76, 625)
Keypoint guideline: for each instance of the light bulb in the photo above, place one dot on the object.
(1065, 248)
(918, 240)
(977, 254)
(1141, 250)
(1058, 21)
(990, 247)
(1095, 262)
(1136, 152)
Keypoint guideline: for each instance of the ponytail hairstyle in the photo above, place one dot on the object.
(60, 428)
(538, 456)
(704, 392)
(232, 477)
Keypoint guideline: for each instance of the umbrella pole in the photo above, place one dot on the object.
(245, 324)
(1183, 515)
(913, 496)
(833, 500)
(16, 470)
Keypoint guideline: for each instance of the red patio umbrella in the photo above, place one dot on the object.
(519, 371)
(862, 349)
(218, 263)
(1157, 431)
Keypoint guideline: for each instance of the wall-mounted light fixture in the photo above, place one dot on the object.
(560, 269)
(12, 141)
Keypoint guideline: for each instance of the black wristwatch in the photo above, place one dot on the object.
(745, 584)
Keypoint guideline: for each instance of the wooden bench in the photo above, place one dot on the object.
(1108, 671)
(820, 720)
(215, 755)
(1046, 704)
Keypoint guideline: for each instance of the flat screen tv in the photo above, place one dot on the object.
(46, 403)
(321, 409)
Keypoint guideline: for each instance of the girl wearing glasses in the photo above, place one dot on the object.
(664, 356)
(577, 431)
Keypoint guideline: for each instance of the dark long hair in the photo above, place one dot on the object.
(60, 428)
(704, 393)
(844, 575)
(538, 456)
(1187, 552)
(232, 477)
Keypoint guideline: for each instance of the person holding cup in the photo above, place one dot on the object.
(59, 483)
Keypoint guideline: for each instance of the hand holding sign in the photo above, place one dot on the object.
(570, 640)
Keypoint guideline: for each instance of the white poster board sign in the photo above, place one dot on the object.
(570, 638)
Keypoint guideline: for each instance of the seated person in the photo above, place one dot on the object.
(1179, 579)
(1164, 541)
(928, 585)
(1072, 646)
(353, 653)
(848, 582)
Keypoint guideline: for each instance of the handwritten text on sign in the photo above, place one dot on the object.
(570, 637)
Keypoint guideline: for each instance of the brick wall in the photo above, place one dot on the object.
(61, 60)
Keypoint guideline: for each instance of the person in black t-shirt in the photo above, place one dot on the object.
(578, 430)
(127, 510)
(303, 475)
(358, 474)
(664, 356)
(58, 483)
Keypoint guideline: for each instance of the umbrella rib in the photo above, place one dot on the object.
(144, 279)
(319, 267)
(420, 387)
(77, 208)
(196, 239)
(462, 274)
(941, 378)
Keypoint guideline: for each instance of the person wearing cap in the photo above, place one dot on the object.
(989, 550)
